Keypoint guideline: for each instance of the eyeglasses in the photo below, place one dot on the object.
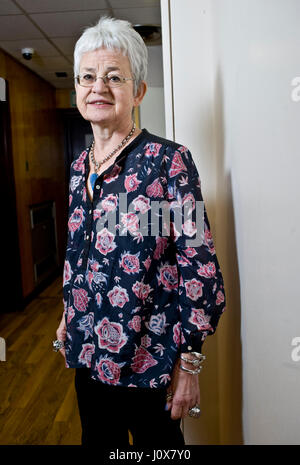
(110, 79)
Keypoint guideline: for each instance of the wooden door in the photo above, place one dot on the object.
(11, 284)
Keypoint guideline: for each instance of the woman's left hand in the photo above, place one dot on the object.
(185, 389)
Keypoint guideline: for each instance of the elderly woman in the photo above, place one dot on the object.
(139, 296)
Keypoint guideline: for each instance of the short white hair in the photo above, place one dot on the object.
(115, 34)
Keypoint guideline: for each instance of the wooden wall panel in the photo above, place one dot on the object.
(38, 156)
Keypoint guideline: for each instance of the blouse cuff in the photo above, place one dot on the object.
(193, 343)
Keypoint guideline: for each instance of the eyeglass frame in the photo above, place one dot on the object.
(104, 79)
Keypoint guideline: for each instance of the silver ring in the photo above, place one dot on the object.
(195, 411)
(57, 345)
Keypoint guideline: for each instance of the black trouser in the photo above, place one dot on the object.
(107, 412)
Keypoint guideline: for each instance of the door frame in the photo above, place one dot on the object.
(12, 285)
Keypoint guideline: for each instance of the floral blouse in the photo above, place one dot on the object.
(136, 293)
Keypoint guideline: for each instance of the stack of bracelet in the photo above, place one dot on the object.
(195, 362)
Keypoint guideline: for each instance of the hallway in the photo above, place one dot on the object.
(38, 403)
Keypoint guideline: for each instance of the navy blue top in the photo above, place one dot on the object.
(136, 293)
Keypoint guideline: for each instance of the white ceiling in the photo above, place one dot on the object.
(52, 28)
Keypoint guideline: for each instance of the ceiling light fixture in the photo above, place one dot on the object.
(150, 33)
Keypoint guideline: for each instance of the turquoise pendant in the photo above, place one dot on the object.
(93, 179)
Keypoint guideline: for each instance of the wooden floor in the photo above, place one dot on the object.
(37, 395)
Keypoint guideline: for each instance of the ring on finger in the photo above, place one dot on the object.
(195, 411)
(57, 345)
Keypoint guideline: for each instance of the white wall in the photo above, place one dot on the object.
(257, 55)
(190, 120)
(152, 109)
(228, 96)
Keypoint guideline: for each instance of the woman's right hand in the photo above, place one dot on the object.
(61, 334)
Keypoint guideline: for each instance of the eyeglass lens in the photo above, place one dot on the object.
(111, 79)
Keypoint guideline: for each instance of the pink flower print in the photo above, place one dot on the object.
(67, 272)
(189, 228)
(110, 335)
(190, 252)
(131, 182)
(147, 262)
(208, 239)
(141, 204)
(161, 244)
(97, 214)
(160, 348)
(89, 278)
(105, 241)
(177, 165)
(84, 194)
(118, 296)
(168, 276)
(135, 323)
(183, 149)
(177, 333)
(141, 290)
(220, 298)
(81, 299)
(155, 189)
(193, 289)
(199, 319)
(152, 383)
(146, 341)
(79, 163)
(208, 270)
(76, 220)
(99, 299)
(165, 378)
(85, 356)
(130, 222)
(152, 149)
(109, 203)
(70, 199)
(191, 199)
(108, 371)
(71, 313)
(142, 360)
(184, 181)
(130, 263)
(183, 261)
(94, 265)
(112, 175)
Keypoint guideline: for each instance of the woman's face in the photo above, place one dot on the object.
(114, 107)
